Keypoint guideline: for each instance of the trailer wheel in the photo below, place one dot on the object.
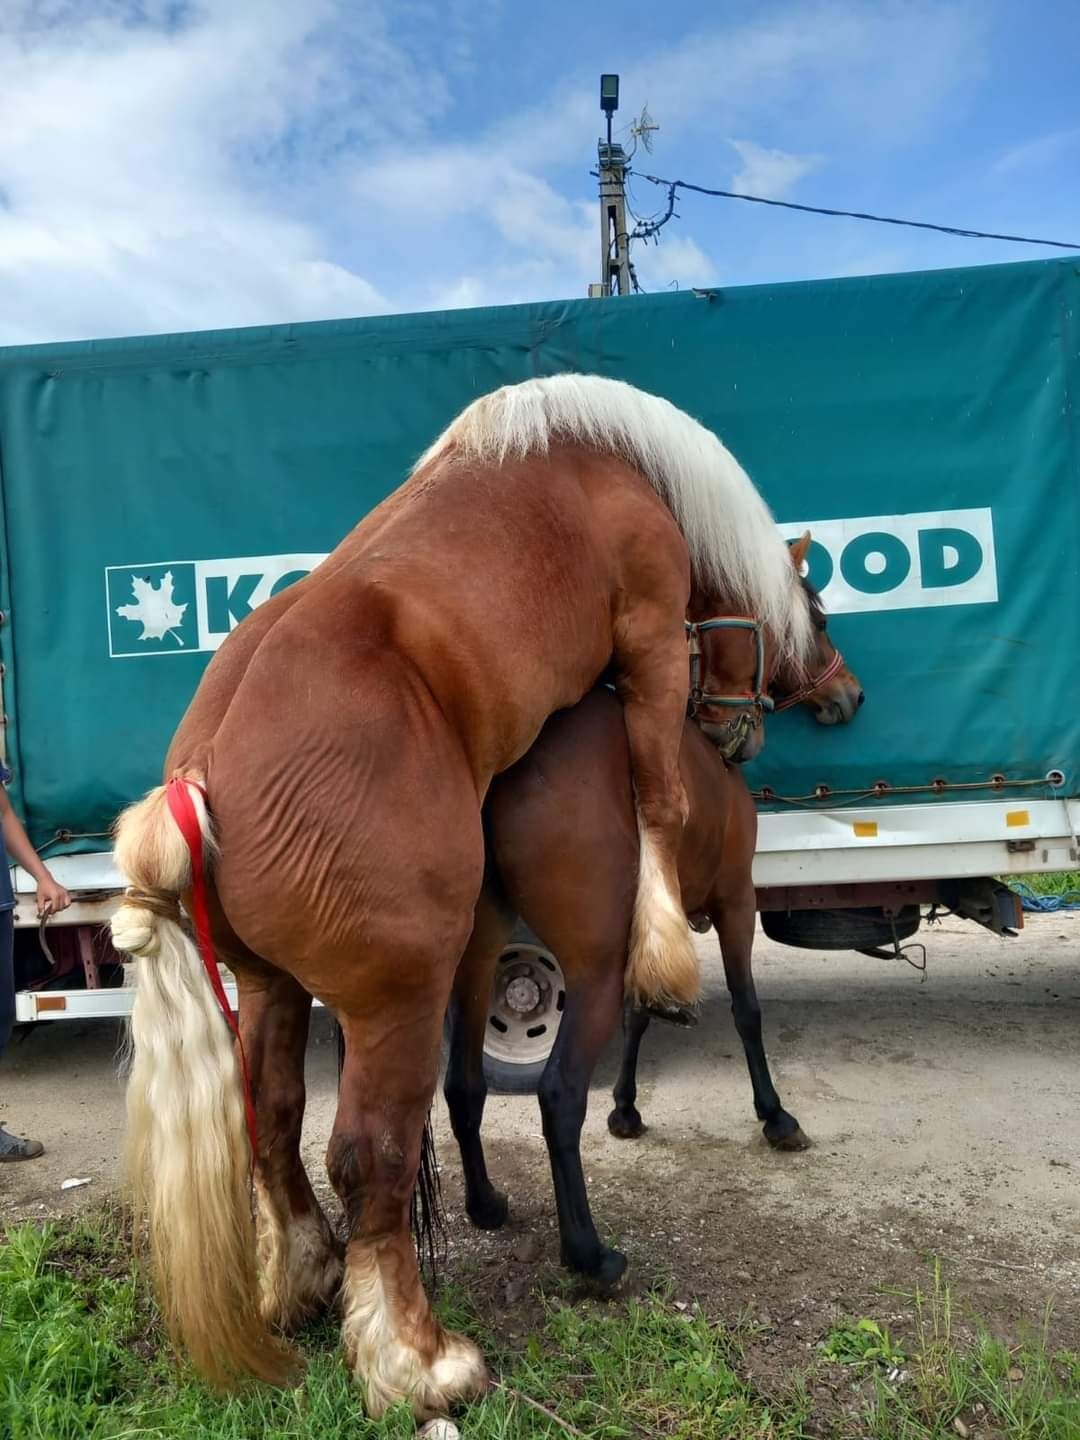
(861, 929)
(523, 1018)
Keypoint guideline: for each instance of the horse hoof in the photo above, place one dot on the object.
(680, 1015)
(434, 1385)
(785, 1138)
(605, 1280)
(625, 1124)
(489, 1212)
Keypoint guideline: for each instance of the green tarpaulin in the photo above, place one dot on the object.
(924, 426)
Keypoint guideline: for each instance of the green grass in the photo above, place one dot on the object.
(863, 1342)
(941, 1388)
(81, 1359)
(1056, 882)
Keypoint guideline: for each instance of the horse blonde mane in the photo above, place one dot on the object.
(735, 548)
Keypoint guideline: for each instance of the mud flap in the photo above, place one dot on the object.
(987, 902)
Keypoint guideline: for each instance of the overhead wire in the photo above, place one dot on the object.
(649, 228)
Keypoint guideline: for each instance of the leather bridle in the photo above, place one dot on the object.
(833, 668)
(756, 698)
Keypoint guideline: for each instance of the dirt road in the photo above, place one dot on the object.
(945, 1115)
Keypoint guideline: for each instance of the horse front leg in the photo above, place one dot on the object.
(662, 966)
(625, 1121)
(465, 1087)
(299, 1255)
(735, 920)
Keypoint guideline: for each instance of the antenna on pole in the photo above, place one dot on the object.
(614, 238)
(643, 129)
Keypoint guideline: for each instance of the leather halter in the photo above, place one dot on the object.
(835, 665)
(748, 699)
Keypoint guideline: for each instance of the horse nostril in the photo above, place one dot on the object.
(862, 697)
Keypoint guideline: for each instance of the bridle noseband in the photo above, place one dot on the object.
(757, 698)
(835, 665)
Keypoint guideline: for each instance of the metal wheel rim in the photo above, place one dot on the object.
(519, 1037)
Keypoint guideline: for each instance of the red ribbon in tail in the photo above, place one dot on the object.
(186, 816)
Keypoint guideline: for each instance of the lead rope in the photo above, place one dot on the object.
(184, 813)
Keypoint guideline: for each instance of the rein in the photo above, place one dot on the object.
(835, 665)
(750, 699)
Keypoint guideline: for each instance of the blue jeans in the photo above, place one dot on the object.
(7, 976)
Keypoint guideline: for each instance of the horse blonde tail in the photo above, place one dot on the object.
(188, 1157)
(662, 966)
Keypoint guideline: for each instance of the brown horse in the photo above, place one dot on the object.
(337, 755)
(562, 855)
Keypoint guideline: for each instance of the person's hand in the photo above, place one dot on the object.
(51, 897)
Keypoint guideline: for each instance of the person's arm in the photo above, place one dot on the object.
(50, 895)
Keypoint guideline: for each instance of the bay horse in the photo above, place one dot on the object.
(322, 803)
(562, 855)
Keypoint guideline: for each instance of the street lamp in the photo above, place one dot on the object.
(609, 98)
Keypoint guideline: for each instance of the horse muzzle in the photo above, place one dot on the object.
(837, 705)
(736, 740)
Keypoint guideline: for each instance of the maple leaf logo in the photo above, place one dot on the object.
(154, 608)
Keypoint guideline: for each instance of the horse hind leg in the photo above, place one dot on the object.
(734, 920)
(394, 1346)
(300, 1258)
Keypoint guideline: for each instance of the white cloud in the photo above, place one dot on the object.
(464, 293)
(157, 178)
(1039, 153)
(856, 71)
(873, 73)
(537, 243)
(174, 164)
(771, 173)
(676, 261)
(869, 260)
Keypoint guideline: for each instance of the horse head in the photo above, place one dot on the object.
(737, 674)
(829, 689)
(729, 678)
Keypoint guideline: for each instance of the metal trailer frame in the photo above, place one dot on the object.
(805, 859)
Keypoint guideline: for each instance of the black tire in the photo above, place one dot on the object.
(504, 1078)
(859, 929)
(504, 1074)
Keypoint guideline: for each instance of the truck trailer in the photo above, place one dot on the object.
(922, 426)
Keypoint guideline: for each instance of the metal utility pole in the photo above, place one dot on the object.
(614, 238)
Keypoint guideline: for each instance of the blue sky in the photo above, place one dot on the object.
(183, 164)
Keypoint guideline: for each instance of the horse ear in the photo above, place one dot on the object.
(799, 551)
